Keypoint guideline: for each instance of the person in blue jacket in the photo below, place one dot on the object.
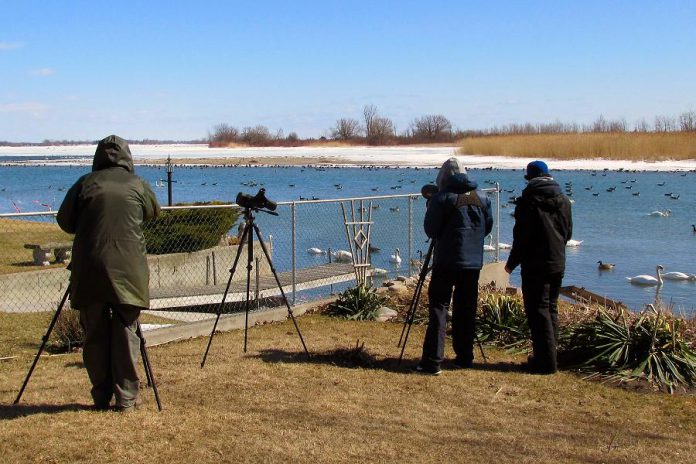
(458, 218)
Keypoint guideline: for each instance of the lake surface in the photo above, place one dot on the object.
(615, 227)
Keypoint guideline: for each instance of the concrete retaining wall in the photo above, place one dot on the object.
(42, 290)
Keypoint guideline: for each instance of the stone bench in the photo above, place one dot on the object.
(42, 252)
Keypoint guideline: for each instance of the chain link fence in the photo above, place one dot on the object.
(192, 251)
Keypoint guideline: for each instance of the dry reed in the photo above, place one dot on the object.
(622, 146)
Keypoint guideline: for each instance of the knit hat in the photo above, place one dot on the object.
(536, 169)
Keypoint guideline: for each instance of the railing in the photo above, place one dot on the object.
(192, 249)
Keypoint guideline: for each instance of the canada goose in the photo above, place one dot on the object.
(605, 266)
(644, 279)
(372, 248)
(693, 227)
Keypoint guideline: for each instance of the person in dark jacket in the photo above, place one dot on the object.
(458, 218)
(109, 278)
(543, 226)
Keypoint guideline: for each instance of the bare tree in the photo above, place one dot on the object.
(641, 126)
(432, 127)
(382, 130)
(256, 136)
(664, 124)
(346, 129)
(223, 134)
(369, 115)
(687, 121)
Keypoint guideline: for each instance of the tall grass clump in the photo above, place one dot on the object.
(501, 321)
(358, 303)
(640, 146)
(650, 345)
(68, 332)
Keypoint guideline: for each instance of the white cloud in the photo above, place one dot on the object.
(42, 72)
(33, 108)
(10, 45)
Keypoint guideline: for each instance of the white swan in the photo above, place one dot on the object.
(644, 279)
(504, 246)
(396, 257)
(315, 251)
(378, 271)
(678, 276)
(488, 248)
(574, 243)
(658, 213)
(342, 256)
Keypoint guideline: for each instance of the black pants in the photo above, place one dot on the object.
(540, 293)
(465, 284)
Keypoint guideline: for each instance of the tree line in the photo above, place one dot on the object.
(373, 128)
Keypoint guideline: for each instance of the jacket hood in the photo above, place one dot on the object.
(112, 151)
(460, 183)
(448, 169)
(545, 192)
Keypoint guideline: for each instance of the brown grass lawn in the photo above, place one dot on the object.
(620, 146)
(272, 405)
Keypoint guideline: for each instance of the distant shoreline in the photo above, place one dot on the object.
(422, 156)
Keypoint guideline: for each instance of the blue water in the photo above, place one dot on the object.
(615, 227)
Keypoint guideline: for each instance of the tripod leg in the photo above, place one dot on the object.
(224, 296)
(408, 322)
(43, 343)
(250, 259)
(147, 365)
(280, 287)
(483, 355)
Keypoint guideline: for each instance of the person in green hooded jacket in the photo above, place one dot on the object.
(109, 279)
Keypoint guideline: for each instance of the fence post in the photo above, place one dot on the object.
(294, 253)
(497, 222)
(410, 234)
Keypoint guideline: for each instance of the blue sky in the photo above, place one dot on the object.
(174, 69)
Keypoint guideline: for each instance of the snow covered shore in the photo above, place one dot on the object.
(397, 156)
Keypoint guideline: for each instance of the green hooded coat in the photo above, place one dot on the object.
(105, 209)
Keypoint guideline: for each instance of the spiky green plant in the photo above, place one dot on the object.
(501, 321)
(357, 303)
(625, 347)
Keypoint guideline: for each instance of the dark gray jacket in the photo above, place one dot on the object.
(458, 217)
(105, 209)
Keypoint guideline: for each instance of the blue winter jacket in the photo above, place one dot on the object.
(459, 217)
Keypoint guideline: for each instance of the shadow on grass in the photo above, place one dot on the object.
(14, 411)
(358, 357)
(349, 358)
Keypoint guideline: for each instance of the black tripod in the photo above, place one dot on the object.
(143, 352)
(411, 314)
(248, 238)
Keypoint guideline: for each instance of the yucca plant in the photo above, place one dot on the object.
(501, 320)
(357, 303)
(649, 345)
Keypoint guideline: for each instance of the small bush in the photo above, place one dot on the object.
(67, 333)
(649, 345)
(187, 230)
(357, 303)
(501, 320)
